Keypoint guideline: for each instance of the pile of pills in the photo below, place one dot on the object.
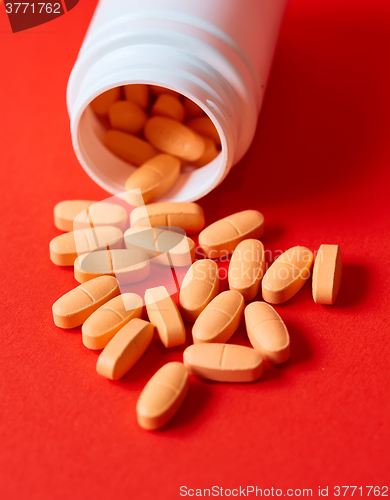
(157, 130)
(112, 322)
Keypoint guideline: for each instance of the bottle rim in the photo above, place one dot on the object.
(109, 171)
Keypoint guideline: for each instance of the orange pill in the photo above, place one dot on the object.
(223, 362)
(267, 332)
(174, 249)
(165, 316)
(220, 318)
(103, 324)
(153, 178)
(210, 152)
(73, 308)
(246, 268)
(101, 104)
(162, 396)
(187, 216)
(129, 147)
(66, 211)
(65, 248)
(200, 286)
(127, 116)
(138, 93)
(129, 266)
(221, 238)
(170, 106)
(204, 126)
(327, 273)
(192, 109)
(174, 138)
(124, 350)
(287, 275)
(101, 214)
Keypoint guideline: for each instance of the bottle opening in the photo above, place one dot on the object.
(126, 126)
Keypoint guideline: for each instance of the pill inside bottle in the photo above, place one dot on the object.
(118, 131)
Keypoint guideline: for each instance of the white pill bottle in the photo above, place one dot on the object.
(216, 52)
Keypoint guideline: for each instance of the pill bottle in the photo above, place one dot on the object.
(218, 53)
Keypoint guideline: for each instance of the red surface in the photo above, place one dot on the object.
(319, 171)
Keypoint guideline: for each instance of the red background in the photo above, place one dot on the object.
(319, 171)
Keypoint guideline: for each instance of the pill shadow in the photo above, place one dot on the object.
(355, 284)
(142, 371)
(273, 372)
(240, 336)
(154, 358)
(301, 349)
(195, 404)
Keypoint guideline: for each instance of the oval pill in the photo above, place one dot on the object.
(327, 273)
(246, 268)
(168, 248)
(124, 350)
(103, 324)
(73, 308)
(210, 152)
(102, 102)
(154, 178)
(223, 362)
(220, 318)
(200, 285)
(127, 116)
(222, 237)
(188, 216)
(162, 396)
(101, 214)
(66, 211)
(169, 106)
(204, 126)
(287, 275)
(165, 316)
(129, 147)
(138, 93)
(267, 332)
(65, 248)
(129, 266)
(174, 138)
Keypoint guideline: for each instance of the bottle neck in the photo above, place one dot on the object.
(168, 59)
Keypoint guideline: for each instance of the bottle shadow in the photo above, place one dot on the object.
(315, 134)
